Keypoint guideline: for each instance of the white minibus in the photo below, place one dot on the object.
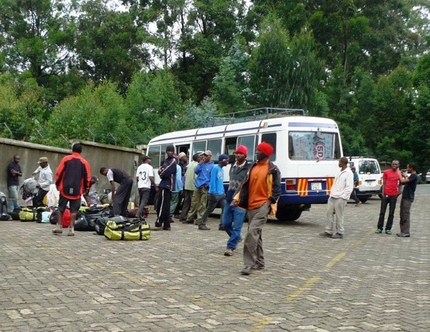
(306, 150)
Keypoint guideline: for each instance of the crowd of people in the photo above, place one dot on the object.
(191, 192)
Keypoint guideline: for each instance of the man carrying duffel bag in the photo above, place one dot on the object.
(72, 178)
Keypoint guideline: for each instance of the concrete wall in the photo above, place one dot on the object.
(98, 155)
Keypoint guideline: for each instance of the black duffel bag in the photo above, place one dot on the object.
(83, 223)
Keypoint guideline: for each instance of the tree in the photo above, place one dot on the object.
(36, 39)
(98, 111)
(109, 45)
(154, 104)
(210, 32)
(393, 106)
(230, 84)
(21, 109)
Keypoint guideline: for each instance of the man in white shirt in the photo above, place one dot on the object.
(339, 195)
(145, 179)
(44, 181)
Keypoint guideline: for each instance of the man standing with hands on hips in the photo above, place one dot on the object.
(258, 194)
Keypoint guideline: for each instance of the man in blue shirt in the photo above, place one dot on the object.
(200, 197)
(216, 193)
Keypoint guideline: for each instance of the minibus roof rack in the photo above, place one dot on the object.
(252, 115)
(360, 157)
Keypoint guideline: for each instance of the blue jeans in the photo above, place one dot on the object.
(232, 221)
(13, 198)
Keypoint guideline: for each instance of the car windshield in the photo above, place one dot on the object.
(369, 167)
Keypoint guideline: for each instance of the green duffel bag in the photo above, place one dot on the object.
(28, 214)
(130, 230)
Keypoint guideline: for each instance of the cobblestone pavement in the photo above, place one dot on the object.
(181, 281)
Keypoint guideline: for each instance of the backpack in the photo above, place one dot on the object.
(3, 207)
(29, 188)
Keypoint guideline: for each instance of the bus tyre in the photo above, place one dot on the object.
(283, 214)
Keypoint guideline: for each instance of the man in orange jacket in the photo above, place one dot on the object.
(258, 194)
(73, 179)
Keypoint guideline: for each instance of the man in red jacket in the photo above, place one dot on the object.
(73, 179)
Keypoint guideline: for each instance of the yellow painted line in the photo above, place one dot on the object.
(300, 290)
(261, 323)
(336, 259)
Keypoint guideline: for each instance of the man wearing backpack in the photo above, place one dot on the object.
(73, 179)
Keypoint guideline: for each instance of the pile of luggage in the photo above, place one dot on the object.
(95, 218)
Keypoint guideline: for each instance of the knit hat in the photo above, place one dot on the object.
(265, 148)
(170, 148)
(242, 149)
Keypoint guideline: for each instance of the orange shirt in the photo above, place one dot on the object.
(258, 193)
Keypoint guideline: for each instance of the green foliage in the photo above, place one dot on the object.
(81, 69)
(108, 45)
(230, 84)
(271, 66)
(419, 123)
(154, 104)
(98, 111)
(21, 108)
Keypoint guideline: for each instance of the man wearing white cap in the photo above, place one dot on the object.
(44, 181)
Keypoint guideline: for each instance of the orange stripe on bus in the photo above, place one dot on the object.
(302, 187)
(330, 182)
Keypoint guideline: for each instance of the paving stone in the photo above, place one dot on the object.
(181, 281)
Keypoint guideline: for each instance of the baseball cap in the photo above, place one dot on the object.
(145, 158)
(207, 153)
(42, 159)
(222, 158)
(181, 155)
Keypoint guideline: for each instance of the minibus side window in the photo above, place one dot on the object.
(154, 154)
(271, 139)
(215, 146)
(230, 148)
(249, 142)
(199, 146)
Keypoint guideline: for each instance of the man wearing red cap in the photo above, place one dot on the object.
(258, 194)
(233, 216)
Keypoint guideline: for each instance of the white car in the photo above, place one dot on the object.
(428, 176)
(370, 177)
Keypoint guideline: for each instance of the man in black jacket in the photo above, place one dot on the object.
(167, 174)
